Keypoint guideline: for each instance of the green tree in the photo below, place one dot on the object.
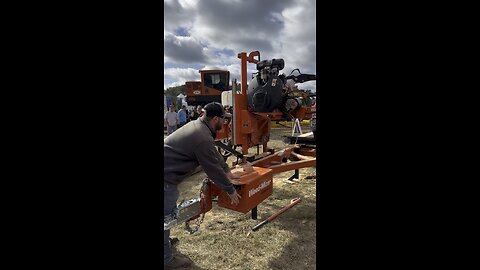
(175, 90)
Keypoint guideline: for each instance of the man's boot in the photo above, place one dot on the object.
(179, 261)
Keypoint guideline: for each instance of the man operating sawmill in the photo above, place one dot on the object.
(184, 150)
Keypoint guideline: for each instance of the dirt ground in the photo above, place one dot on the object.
(225, 239)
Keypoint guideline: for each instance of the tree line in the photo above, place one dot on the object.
(175, 91)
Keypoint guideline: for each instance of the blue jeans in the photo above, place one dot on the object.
(171, 129)
(171, 194)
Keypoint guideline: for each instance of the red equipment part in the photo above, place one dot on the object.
(274, 216)
(254, 187)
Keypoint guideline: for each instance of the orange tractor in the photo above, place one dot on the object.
(209, 88)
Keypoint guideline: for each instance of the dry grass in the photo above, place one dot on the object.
(225, 239)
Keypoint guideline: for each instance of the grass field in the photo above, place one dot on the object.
(225, 239)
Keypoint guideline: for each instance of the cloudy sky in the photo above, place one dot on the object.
(208, 34)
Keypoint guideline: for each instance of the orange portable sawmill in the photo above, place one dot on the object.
(269, 96)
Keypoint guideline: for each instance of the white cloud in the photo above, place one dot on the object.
(180, 49)
(189, 3)
(183, 74)
(311, 85)
(299, 48)
(177, 14)
(277, 28)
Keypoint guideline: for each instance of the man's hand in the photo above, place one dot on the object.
(234, 176)
(235, 197)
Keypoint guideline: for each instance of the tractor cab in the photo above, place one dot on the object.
(209, 89)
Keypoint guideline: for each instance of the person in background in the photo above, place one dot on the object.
(200, 110)
(196, 113)
(189, 113)
(171, 119)
(182, 116)
(228, 109)
(193, 115)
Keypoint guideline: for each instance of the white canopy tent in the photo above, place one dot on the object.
(182, 97)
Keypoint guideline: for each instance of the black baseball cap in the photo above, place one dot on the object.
(215, 109)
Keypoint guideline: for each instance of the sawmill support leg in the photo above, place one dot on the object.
(296, 175)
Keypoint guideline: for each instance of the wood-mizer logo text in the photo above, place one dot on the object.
(263, 185)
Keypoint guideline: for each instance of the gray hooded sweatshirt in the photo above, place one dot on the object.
(190, 146)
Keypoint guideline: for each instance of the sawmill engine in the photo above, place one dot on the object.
(271, 91)
(265, 90)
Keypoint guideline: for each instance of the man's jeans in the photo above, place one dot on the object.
(171, 194)
(171, 129)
